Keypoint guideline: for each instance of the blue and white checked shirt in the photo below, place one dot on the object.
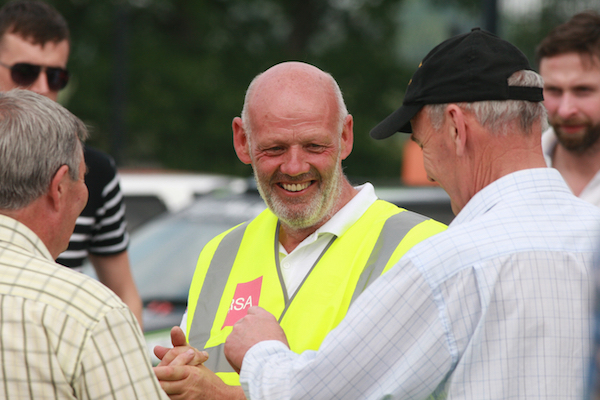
(496, 307)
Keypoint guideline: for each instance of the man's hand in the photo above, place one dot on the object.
(194, 382)
(257, 326)
(182, 375)
(180, 346)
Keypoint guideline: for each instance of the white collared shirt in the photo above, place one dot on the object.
(297, 264)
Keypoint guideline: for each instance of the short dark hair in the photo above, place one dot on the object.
(580, 34)
(33, 20)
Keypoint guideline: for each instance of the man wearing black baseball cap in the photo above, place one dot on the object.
(498, 305)
(467, 68)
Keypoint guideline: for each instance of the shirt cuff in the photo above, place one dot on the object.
(252, 375)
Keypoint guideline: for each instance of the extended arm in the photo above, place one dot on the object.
(257, 326)
(115, 362)
(391, 342)
(115, 273)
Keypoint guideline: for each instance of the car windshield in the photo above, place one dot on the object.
(168, 253)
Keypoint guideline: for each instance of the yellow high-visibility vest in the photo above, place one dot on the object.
(240, 268)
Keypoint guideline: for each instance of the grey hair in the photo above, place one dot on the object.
(342, 109)
(499, 116)
(37, 137)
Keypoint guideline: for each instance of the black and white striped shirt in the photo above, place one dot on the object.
(101, 227)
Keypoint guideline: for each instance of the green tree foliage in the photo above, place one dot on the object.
(159, 81)
(524, 22)
(528, 29)
(187, 64)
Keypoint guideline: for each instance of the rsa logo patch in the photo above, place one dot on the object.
(246, 295)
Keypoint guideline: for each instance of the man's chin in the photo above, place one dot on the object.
(579, 142)
(569, 138)
(297, 214)
(296, 218)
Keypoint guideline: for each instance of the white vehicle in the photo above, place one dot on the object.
(148, 193)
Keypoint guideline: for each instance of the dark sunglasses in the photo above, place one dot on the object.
(25, 75)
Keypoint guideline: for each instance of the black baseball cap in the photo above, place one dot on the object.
(470, 67)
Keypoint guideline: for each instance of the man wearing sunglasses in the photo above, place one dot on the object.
(25, 75)
(34, 50)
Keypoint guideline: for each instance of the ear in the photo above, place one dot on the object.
(240, 141)
(457, 128)
(58, 187)
(347, 140)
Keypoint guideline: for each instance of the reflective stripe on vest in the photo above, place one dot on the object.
(394, 230)
(216, 276)
(383, 228)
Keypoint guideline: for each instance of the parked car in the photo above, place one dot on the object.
(164, 251)
(432, 201)
(149, 193)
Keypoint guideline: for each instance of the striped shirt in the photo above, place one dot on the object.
(101, 227)
(63, 335)
(498, 306)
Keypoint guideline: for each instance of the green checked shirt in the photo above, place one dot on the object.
(64, 335)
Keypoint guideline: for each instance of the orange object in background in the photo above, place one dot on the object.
(413, 171)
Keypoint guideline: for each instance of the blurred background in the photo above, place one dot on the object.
(159, 81)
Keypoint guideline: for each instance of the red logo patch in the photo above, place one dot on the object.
(246, 295)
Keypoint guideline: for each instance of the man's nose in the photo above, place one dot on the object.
(566, 107)
(295, 163)
(40, 86)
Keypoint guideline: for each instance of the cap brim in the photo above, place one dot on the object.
(398, 121)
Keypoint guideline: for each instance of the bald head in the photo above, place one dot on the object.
(294, 86)
(295, 131)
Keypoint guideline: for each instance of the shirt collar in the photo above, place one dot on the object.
(17, 234)
(345, 217)
(351, 212)
(516, 184)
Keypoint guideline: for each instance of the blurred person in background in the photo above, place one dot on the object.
(34, 50)
(569, 62)
(498, 306)
(316, 247)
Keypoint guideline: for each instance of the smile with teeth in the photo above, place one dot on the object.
(295, 187)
